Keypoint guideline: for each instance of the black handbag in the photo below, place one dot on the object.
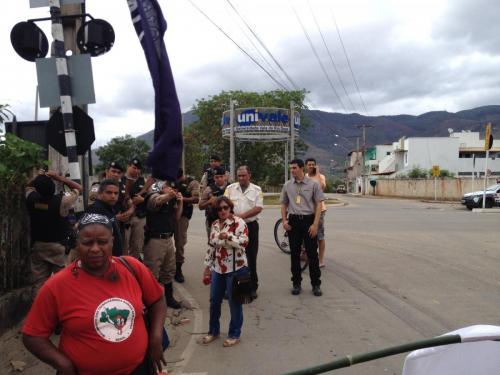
(242, 286)
(147, 366)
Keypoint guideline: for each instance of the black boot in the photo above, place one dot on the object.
(169, 296)
(179, 277)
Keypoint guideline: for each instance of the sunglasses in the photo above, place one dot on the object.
(220, 208)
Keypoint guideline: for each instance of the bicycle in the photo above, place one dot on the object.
(281, 238)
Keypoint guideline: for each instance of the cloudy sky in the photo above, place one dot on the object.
(407, 56)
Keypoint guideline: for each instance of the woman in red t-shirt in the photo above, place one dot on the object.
(98, 303)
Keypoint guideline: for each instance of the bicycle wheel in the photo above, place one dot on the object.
(281, 237)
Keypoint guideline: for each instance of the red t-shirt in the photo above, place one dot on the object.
(102, 317)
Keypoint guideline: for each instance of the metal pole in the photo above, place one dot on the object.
(286, 161)
(231, 139)
(350, 360)
(36, 104)
(292, 130)
(59, 52)
(435, 188)
(485, 177)
(473, 170)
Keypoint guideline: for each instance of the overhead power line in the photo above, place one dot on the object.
(255, 48)
(330, 55)
(349, 63)
(263, 45)
(237, 45)
(318, 58)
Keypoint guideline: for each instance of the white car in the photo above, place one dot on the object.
(475, 199)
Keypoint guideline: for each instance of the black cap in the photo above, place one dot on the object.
(115, 165)
(219, 171)
(215, 157)
(136, 162)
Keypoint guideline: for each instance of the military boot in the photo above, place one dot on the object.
(169, 296)
(179, 277)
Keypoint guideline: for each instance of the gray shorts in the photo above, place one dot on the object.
(321, 226)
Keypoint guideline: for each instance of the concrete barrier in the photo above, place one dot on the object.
(447, 189)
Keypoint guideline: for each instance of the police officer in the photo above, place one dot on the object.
(248, 203)
(114, 171)
(124, 208)
(136, 189)
(105, 204)
(209, 197)
(190, 190)
(47, 212)
(163, 208)
(301, 199)
(208, 174)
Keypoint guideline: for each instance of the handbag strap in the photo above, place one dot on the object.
(133, 272)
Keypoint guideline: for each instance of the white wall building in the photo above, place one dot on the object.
(461, 153)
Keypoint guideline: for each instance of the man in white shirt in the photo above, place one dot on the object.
(248, 203)
(313, 172)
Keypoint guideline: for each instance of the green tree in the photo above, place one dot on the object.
(265, 159)
(121, 150)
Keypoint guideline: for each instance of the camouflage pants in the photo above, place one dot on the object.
(46, 258)
(180, 236)
(159, 257)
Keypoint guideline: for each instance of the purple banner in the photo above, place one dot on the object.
(150, 26)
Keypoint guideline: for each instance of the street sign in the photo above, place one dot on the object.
(488, 138)
(84, 131)
(435, 171)
(80, 73)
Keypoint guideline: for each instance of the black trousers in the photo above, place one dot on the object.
(298, 235)
(251, 251)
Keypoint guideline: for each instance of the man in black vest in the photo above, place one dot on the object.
(163, 208)
(105, 204)
(190, 190)
(208, 174)
(209, 197)
(47, 212)
(136, 189)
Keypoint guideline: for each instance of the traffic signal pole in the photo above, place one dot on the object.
(59, 53)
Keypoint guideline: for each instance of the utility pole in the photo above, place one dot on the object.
(363, 152)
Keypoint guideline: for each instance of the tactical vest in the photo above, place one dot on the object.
(210, 176)
(140, 210)
(163, 220)
(182, 187)
(47, 224)
(210, 213)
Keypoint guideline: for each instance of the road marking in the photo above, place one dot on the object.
(198, 319)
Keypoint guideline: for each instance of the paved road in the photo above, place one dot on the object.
(397, 271)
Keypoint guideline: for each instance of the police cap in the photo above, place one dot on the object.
(136, 162)
(219, 171)
(115, 165)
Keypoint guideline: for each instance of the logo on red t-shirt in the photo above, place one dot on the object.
(114, 319)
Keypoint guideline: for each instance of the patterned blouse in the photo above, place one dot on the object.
(220, 252)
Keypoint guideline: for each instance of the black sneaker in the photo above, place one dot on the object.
(253, 294)
(296, 289)
(317, 291)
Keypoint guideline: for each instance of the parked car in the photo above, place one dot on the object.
(475, 199)
(341, 189)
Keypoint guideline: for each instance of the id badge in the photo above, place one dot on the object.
(297, 199)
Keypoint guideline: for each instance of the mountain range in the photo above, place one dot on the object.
(324, 126)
